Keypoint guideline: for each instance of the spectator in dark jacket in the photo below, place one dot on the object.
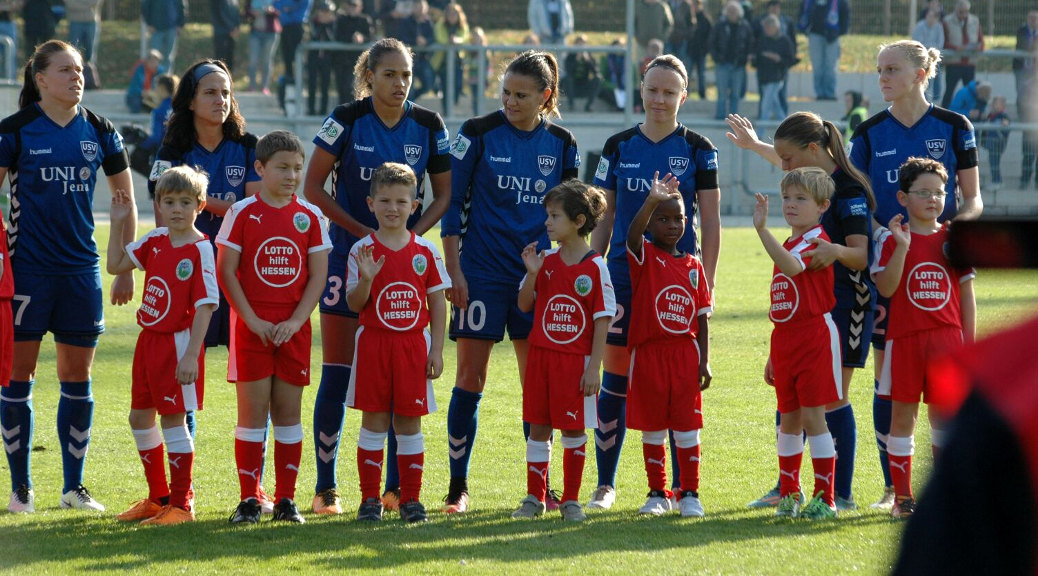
(788, 28)
(352, 26)
(1026, 71)
(319, 63)
(652, 19)
(699, 46)
(824, 21)
(582, 78)
(40, 23)
(731, 41)
(226, 15)
(773, 57)
(165, 19)
(677, 44)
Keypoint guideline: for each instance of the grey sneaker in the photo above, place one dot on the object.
(530, 507)
(886, 501)
(603, 498)
(23, 501)
(770, 499)
(690, 506)
(845, 504)
(79, 498)
(657, 504)
(572, 511)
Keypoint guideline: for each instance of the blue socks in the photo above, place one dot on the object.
(16, 429)
(390, 463)
(329, 413)
(881, 408)
(845, 436)
(462, 419)
(612, 426)
(75, 416)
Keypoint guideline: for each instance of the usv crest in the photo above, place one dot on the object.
(412, 152)
(301, 222)
(89, 150)
(235, 175)
(419, 263)
(546, 164)
(677, 165)
(936, 148)
(184, 269)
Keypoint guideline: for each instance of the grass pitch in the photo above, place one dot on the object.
(738, 465)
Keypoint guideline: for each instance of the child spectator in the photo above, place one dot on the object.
(272, 266)
(857, 112)
(582, 77)
(395, 282)
(995, 140)
(179, 298)
(804, 360)
(319, 63)
(774, 55)
(932, 311)
(972, 99)
(669, 341)
(143, 155)
(142, 79)
(570, 293)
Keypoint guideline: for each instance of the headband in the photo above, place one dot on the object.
(205, 70)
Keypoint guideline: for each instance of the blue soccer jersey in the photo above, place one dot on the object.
(881, 144)
(629, 160)
(53, 171)
(849, 215)
(361, 142)
(499, 176)
(230, 167)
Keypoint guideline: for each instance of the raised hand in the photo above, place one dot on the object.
(900, 231)
(760, 211)
(367, 266)
(742, 133)
(532, 259)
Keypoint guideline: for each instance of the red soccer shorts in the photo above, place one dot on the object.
(806, 360)
(663, 387)
(249, 359)
(155, 383)
(552, 393)
(389, 373)
(904, 365)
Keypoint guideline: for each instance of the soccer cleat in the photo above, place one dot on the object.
(886, 501)
(413, 512)
(170, 515)
(140, 510)
(530, 507)
(789, 506)
(23, 501)
(552, 500)
(690, 506)
(456, 503)
(286, 511)
(391, 500)
(247, 512)
(845, 504)
(817, 509)
(370, 510)
(79, 498)
(657, 504)
(265, 501)
(602, 498)
(327, 502)
(572, 511)
(903, 507)
(768, 500)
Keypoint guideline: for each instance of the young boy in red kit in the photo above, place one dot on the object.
(395, 282)
(179, 298)
(804, 364)
(272, 264)
(932, 311)
(670, 346)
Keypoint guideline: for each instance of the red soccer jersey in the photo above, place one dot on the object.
(928, 295)
(398, 292)
(807, 295)
(177, 280)
(568, 301)
(668, 294)
(275, 245)
(7, 279)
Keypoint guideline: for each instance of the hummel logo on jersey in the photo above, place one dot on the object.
(659, 463)
(175, 462)
(371, 462)
(828, 478)
(900, 467)
(792, 475)
(256, 217)
(572, 415)
(661, 261)
(172, 400)
(886, 153)
(254, 474)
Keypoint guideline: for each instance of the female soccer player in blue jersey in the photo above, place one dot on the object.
(380, 126)
(629, 160)
(207, 131)
(503, 164)
(52, 150)
(804, 139)
(911, 126)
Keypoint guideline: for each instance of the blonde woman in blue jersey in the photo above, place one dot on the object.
(503, 164)
(380, 126)
(629, 160)
(52, 151)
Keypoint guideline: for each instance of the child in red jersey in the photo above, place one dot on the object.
(804, 364)
(179, 298)
(272, 264)
(669, 341)
(571, 295)
(395, 282)
(932, 310)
